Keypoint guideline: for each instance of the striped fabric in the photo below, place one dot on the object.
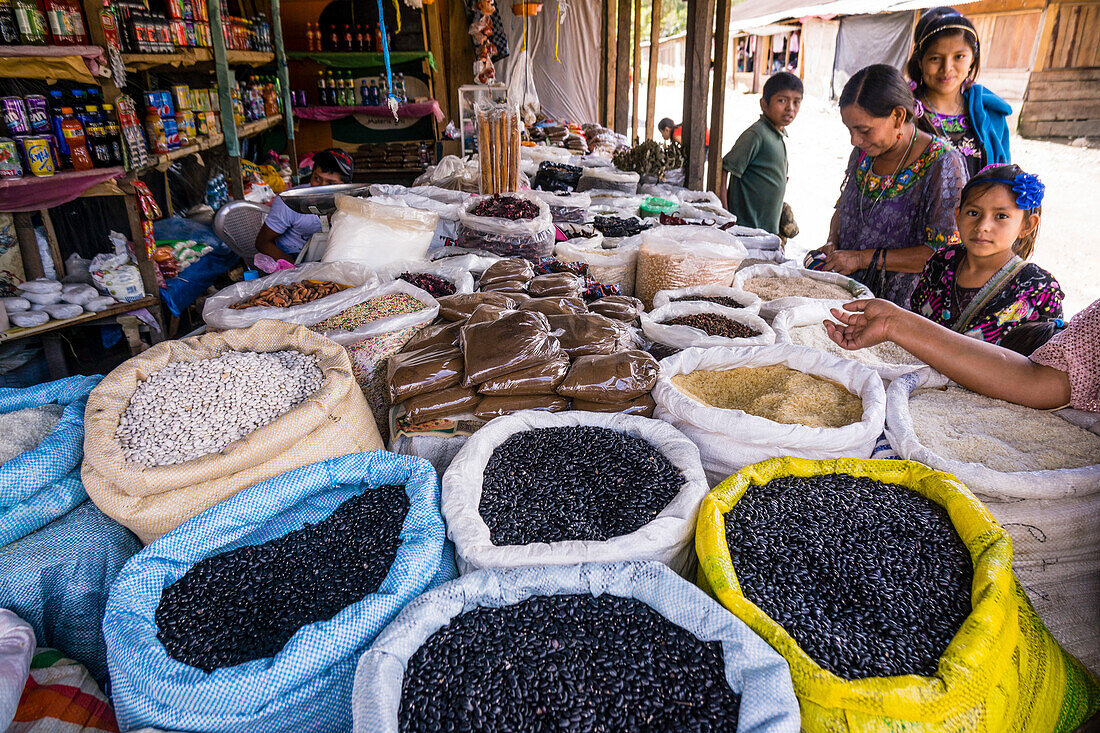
(61, 697)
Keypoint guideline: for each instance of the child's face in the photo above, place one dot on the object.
(946, 64)
(782, 108)
(989, 223)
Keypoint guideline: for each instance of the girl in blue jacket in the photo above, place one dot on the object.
(945, 62)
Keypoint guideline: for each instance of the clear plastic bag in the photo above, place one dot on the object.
(494, 407)
(540, 379)
(378, 234)
(15, 304)
(565, 208)
(515, 341)
(608, 266)
(746, 301)
(610, 379)
(445, 403)
(556, 285)
(552, 306)
(531, 239)
(428, 369)
(609, 179)
(589, 334)
(396, 322)
(679, 257)
(683, 337)
(619, 307)
(770, 308)
(460, 307)
(61, 311)
(643, 406)
(29, 319)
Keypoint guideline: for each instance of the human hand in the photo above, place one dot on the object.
(864, 323)
(845, 261)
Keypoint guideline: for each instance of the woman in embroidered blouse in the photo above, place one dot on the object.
(897, 204)
(945, 61)
(985, 287)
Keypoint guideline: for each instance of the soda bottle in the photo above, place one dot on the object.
(73, 132)
(333, 38)
(100, 149)
(9, 31)
(31, 22)
(359, 38)
(322, 91)
(114, 138)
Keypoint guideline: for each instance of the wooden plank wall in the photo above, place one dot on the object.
(1075, 37)
(1063, 103)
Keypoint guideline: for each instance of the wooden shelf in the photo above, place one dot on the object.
(255, 128)
(185, 57)
(15, 334)
(249, 58)
(360, 59)
(38, 192)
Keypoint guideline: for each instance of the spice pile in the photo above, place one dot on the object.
(285, 296)
(570, 662)
(434, 285)
(871, 579)
(717, 299)
(885, 354)
(384, 306)
(506, 207)
(777, 393)
(614, 227)
(574, 483)
(714, 325)
(965, 426)
(773, 288)
(24, 430)
(246, 603)
(192, 409)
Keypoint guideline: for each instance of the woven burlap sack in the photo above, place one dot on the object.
(152, 501)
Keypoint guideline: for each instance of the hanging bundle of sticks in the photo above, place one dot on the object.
(498, 137)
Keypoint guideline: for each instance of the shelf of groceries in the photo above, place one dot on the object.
(187, 57)
(14, 334)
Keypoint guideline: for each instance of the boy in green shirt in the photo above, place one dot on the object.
(757, 163)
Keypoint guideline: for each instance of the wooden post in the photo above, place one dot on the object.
(607, 65)
(697, 73)
(284, 81)
(28, 245)
(651, 85)
(226, 80)
(718, 95)
(622, 69)
(787, 53)
(757, 62)
(636, 81)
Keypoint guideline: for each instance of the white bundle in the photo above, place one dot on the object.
(78, 293)
(40, 298)
(29, 319)
(15, 305)
(41, 285)
(61, 311)
(99, 304)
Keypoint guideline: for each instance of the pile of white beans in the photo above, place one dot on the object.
(192, 409)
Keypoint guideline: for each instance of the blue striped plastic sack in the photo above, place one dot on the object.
(753, 668)
(58, 578)
(306, 687)
(39, 485)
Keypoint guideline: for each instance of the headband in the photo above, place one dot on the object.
(1028, 188)
(954, 26)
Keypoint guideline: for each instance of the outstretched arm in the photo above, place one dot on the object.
(265, 244)
(977, 365)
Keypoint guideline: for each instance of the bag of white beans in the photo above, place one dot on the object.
(153, 467)
(805, 286)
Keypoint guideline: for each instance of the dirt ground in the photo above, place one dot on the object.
(818, 148)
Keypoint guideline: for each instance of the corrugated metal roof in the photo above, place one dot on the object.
(753, 13)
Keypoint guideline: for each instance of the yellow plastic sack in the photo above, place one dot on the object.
(1003, 671)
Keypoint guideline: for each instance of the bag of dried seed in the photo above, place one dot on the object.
(781, 287)
(320, 559)
(1001, 670)
(642, 479)
(683, 256)
(608, 266)
(756, 676)
(177, 452)
(683, 325)
(718, 294)
(1040, 477)
(530, 238)
(391, 307)
(41, 447)
(453, 276)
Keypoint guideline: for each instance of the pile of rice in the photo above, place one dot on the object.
(773, 288)
(885, 354)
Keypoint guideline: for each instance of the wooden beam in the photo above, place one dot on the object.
(28, 245)
(54, 244)
(651, 85)
(718, 96)
(758, 62)
(622, 69)
(700, 29)
(636, 74)
(607, 65)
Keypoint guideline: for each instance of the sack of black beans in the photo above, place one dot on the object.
(530, 238)
(189, 423)
(742, 405)
(41, 448)
(253, 615)
(1040, 477)
(353, 277)
(489, 645)
(717, 294)
(683, 325)
(536, 488)
(888, 588)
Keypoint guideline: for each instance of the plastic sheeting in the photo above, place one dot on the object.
(871, 39)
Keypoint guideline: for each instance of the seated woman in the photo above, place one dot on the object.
(285, 231)
(897, 204)
(985, 287)
(945, 62)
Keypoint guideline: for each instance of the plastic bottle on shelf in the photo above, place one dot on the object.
(9, 30)
(96, 140)
(114, 138)
(333, 37)
(31, 21)
(359, 38)
(73, 131)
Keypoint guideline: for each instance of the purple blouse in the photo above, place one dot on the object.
(918, 207)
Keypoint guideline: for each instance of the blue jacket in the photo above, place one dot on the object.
(989, 116)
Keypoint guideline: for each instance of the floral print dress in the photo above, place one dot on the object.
(957, 130)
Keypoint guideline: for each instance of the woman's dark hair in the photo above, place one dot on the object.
(1001, 175)
(935, 24)
(666, 124)
(879, 89)
(334, 161)
(1027, 337)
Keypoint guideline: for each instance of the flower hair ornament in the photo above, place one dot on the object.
(1028, 189)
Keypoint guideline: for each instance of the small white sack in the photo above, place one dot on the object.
(29, 319)
(124, 283)
(506, 237)
(729, 440)
(667, 539)
(378, 234)
(38, 298)
(771, 308)
(218, 315)
(756, 238)
(97, 305)
(751, 300)
(608, 266)
(16, 650)
(41, 285)
(684, 256)
(446, 229)
(685, 337)
(448, 269)
(61, 311)
(609, 179)
(15, 305)
(753, 669)
(390, 323)
(79, 294)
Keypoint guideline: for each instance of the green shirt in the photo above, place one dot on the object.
(758, 164)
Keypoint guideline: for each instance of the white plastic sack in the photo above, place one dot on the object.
(667, 539)
(79, 294)
(15, 305)
(16, 649)
(529, 238)
(1052, 516)
(377, 234)
(756, 238)
(542, 153)
(390, 323)
(60, 311)
(29, 319)
(449, 269)
(685, 337)
(446, 229)
(218, 315)
(455, 257)
(451, 173)
(41, 285)
(729, 440)
(96, 305)
(124, 284)
(608, 266)
(35, 297)
(683, 256)
(766, 257)
(771, 308)
(751, 300)
(753, 669)
(609, 179)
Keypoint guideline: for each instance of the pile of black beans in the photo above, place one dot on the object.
(567, 663)
(434, 285)
(871, 579)
(574, 483)
(246, 603)
(719, 299)
(714, 325)
(614, 227)
(660, 351)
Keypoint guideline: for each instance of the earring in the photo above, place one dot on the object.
(899, 136)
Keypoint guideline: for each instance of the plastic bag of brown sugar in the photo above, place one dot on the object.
(429, 369)
(445, 403)
(619, 307)
(459, 307)
(559, 284)
(484, 313)
(491, 407)
(518, 296)
(504, 285)
(589, 334)
(610, 379)
(554, 306)
(540, 379)
(643, 406)
(510, 269)
(514, 341)
(438, 334)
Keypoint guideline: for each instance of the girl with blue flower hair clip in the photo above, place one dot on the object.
(986, 287)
